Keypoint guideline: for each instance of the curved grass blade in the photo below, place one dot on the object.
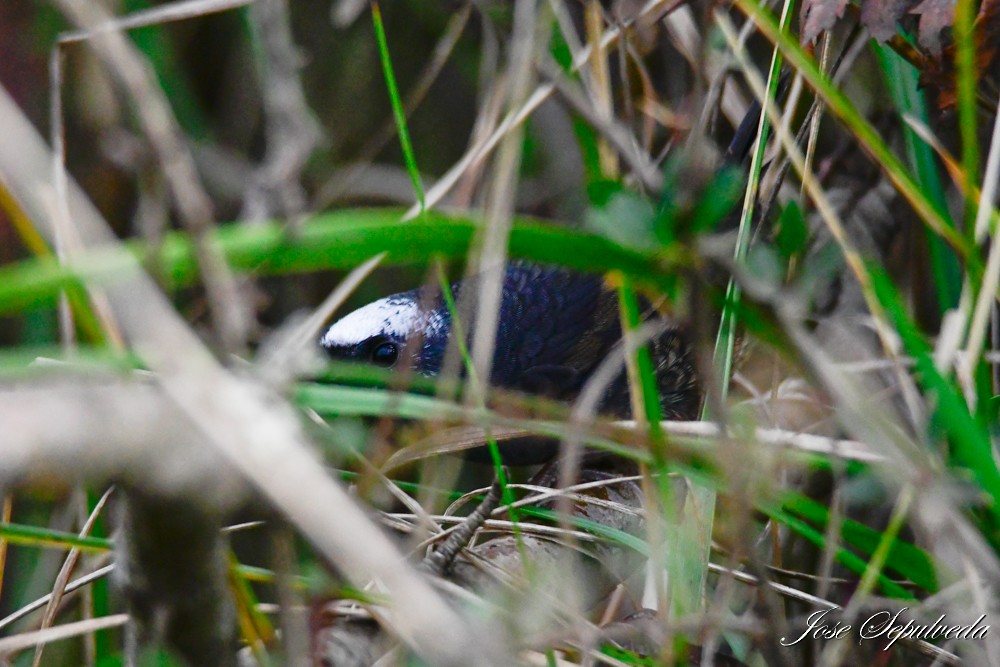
(336, 240)
(905, 558)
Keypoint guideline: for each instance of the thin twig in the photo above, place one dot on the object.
(43, 601)
(153, 110)
(440, 560)
(9, 645)
(293, 133)
(620, 138)
(515, 118)
(69, 564)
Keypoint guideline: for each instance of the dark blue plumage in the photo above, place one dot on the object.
(555, 327)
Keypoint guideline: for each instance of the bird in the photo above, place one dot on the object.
(555, 328)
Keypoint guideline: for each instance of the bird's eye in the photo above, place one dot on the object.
(385, 355)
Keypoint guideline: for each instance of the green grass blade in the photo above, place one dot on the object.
(726, 338)
(33, 536)
(695, 526)
(337, 240)
(459, 337)
(966, 82)
(906, 559)
(398, 111)
(902, 80)
(970, 446)
(844, 557)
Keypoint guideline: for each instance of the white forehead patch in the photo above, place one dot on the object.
(390, 316)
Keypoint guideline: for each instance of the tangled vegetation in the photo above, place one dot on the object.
(191, 190)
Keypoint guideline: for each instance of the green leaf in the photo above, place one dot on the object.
(793, 232)
(627, 219)
(717, 200)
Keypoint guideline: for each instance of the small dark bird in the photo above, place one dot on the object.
(555, 327)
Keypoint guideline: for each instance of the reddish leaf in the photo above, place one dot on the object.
(881, 16)
(820, 15)
(935, 16)
(987, 33)
(938, 73)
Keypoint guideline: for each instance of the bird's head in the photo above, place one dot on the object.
(391, 331)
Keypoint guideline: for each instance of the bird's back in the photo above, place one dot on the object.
(557, 326)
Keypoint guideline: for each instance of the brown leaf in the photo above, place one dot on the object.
(935, 16)
(987, 29)
(938, 72)
(820, 15)
(881, 16)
